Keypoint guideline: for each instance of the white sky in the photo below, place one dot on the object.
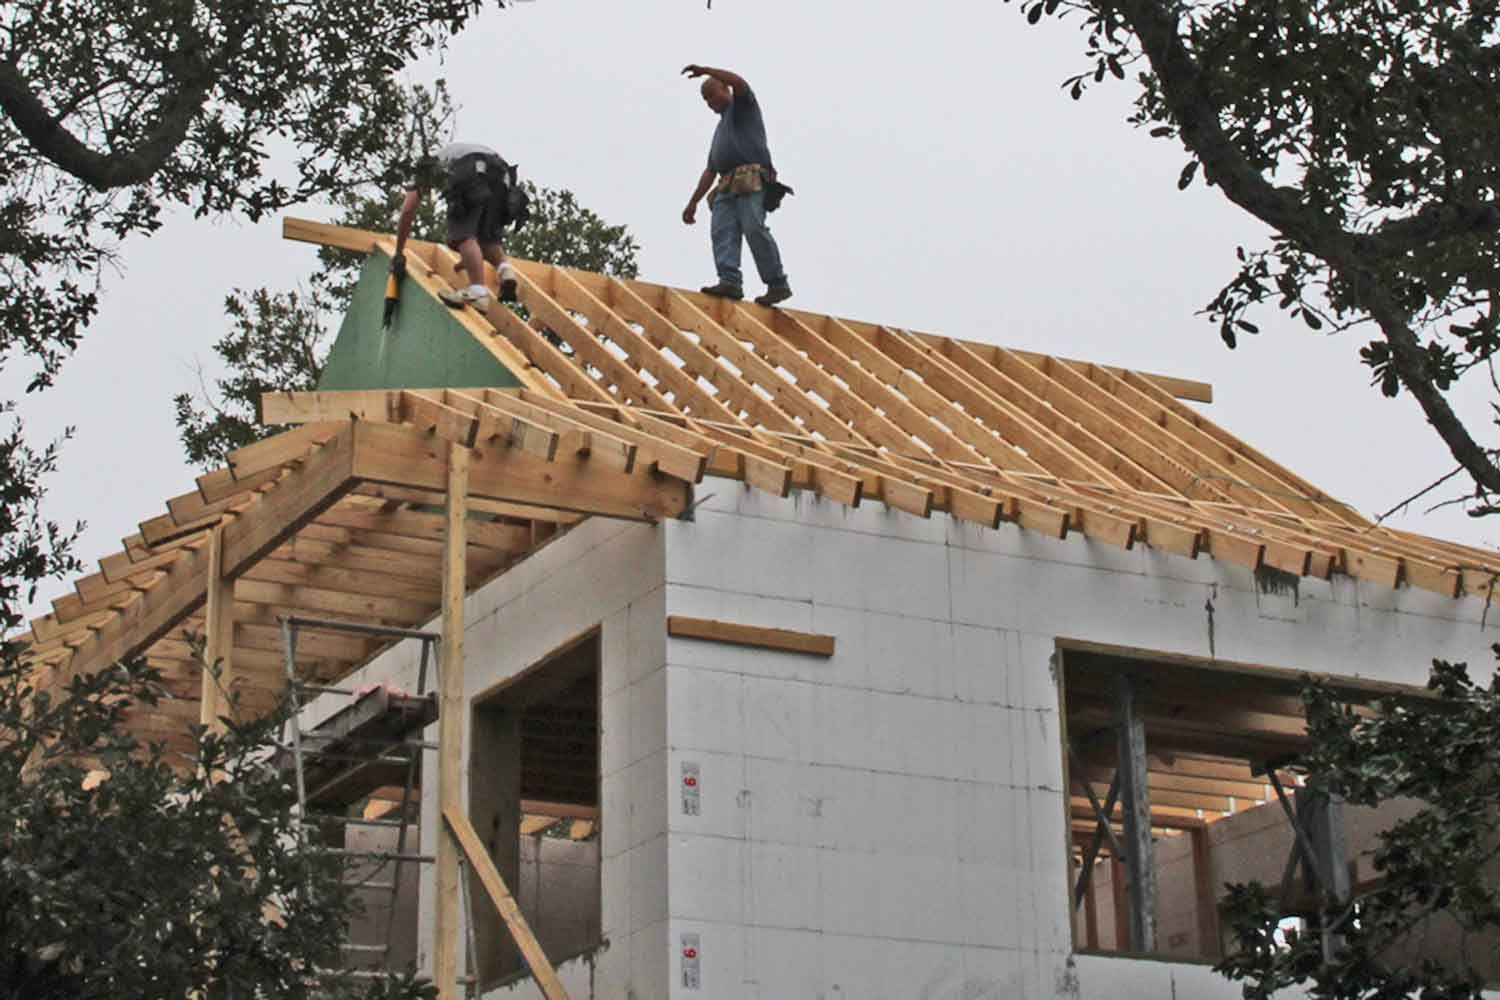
(945, 182)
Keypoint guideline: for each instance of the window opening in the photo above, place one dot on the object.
(1175, 788)
(534, 799)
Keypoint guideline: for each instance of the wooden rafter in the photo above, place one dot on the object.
(342, 516)
(859, 411)
(656, 388)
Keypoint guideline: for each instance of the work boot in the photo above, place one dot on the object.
(508, 282)
(474, 295)
(724, 291)
(774, 294)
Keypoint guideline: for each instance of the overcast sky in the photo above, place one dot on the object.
(945, 182)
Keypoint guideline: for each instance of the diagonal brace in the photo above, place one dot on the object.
(1101, 814)
(1304, 843)
(495, 887)
(1101, 830)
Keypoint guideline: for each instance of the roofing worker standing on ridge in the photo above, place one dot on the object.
(741, 160)
(483, 196)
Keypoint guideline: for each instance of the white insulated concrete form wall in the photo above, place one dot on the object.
(890, 823)
(887, 824)
(606, 575)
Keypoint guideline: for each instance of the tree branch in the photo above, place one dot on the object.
(1282, 208)
(1433, 224)
(101, 171)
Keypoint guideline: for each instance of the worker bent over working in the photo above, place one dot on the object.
(740, 159)
(483, 196)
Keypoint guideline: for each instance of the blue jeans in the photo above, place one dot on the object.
(737, 216)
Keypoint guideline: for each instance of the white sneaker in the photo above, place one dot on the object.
(508, 282)
(467, 297)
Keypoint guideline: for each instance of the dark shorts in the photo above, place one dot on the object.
(474, 211)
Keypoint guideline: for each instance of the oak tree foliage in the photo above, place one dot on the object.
(122, 875)
(1366, 135)
(113, 111)
(1439, 755)
(122, 872)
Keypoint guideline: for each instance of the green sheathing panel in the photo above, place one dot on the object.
(425, 348)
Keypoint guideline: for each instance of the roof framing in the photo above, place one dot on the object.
(784, 398)
(334, 517)
(631, 393)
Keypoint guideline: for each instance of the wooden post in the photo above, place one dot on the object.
(1325, 822)
(218, 646)
(1206, 896)
(1119, 904)
(1135, 805)
(451, 723)
(1090, 912)
(495, 808)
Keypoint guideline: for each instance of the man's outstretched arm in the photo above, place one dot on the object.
(724, 76)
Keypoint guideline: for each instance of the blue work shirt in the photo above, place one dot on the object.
(740, 137)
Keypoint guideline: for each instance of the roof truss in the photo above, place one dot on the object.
(632, 392)
(341, 517)
(784, 398)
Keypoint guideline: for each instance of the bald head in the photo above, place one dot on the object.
(716, 95)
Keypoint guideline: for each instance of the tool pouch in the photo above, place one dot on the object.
(775, 192)
(517, 205)
(747, 179)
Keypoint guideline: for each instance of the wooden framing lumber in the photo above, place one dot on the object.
(393, 454)
(218, 649)
(671, 458)
(413, 530)
(586, 346)
(639, 348)
(784, 640)
(1113, 450)
(577, 437)
(738, 396)
(994, 400)
(363, 241)
(274, 452)
(494, 886)
(312, 488)
(1162, 817)
(663, 387)
(1135, 805)
(451, 716)
(847, 358)
(491, 424)
(790, 398)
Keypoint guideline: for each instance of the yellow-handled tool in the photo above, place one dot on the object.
(393, 290)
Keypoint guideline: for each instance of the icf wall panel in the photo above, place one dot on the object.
(891, 821)
(606, 575)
